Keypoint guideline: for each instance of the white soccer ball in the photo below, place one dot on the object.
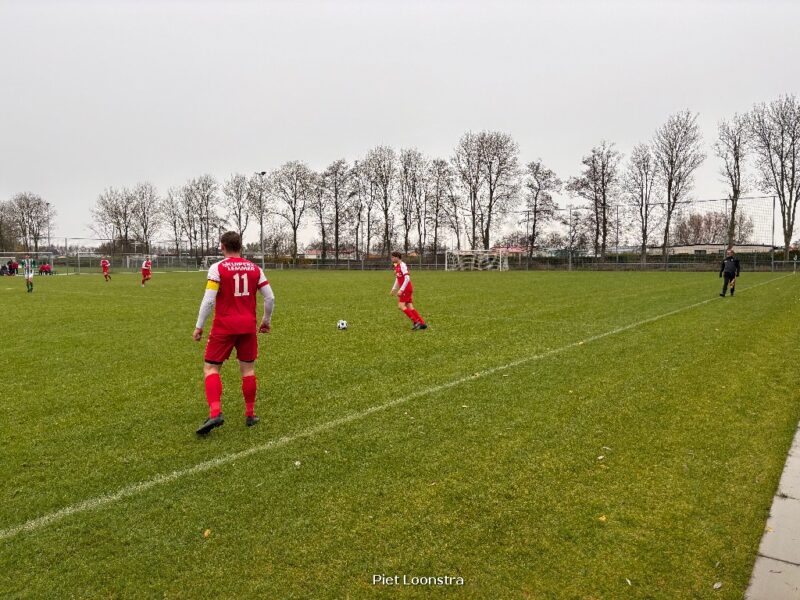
(342, 324)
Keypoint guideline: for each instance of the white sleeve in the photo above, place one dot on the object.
(213, 273)
(406, 277)
(206, 306)
(269, 301)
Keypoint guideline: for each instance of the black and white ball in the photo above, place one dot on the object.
(342, 324)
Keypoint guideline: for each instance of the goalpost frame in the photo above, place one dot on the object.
(476, 260)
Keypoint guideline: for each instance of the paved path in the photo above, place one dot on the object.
(776, 574)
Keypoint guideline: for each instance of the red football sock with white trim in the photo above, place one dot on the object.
(213, 394)
(249, 392)
(416, 316)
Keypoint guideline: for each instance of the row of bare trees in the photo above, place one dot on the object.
(658, 177)
(25, 222)
(403, 198)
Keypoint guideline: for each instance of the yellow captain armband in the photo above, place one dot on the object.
(212, 285)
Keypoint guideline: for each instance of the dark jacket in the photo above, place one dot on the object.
(730, 265)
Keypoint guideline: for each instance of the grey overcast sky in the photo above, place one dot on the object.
(97, 94)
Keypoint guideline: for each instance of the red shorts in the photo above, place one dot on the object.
(406, 295)
(146, 273)
(220, 345)
(105, 270)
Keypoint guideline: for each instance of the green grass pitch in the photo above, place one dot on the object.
(638, 464)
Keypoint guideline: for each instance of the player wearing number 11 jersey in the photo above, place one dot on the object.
(232, 287)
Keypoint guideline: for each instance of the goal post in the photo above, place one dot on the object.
(476, 260)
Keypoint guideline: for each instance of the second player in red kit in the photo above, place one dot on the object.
(404, 290)
(232, 287)
(105, 265)
(147, 265)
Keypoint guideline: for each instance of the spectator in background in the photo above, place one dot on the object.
(3, 270)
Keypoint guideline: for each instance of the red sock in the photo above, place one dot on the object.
(416, 316)
(249, 392)
(409, 314)
(213, 394)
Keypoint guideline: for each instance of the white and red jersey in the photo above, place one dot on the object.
(239, 280)
(403, 283)
(105, 264)
(146, 265)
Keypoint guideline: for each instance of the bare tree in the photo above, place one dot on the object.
(258, 200)
(731, 147)
(381, 163)
(31, 217)
(147, 215)
(598, 183)
(540, 207)
(291, 185)
(320, 205)
(236, 194)
(357, 202)
(440, 180)
(336, 180)
(639, 184)
(711, 228)
(500, 162)
(468, 163)
(453, 210)
(410, 186)
(114, 213)
(775, 129)
(190, 220)
(421, 205)
(9, 230)
(677, 148)
(171, 212)
(205, 190)
(278, 238)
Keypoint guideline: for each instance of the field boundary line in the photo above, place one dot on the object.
(143, 486)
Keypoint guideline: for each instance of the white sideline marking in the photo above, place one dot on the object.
(225, 459)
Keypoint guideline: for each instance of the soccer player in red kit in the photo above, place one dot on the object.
(232, 286)
(404, 289)
(146, 266)
(104, 264)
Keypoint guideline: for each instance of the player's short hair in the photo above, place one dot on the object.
(397, 254)
(232, 241)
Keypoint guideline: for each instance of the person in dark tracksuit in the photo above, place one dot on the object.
(730, 269)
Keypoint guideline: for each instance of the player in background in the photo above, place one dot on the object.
(232, 286)
(104, 264)
(404, 289)
(146, 266)
(27, 269)
(731, 269)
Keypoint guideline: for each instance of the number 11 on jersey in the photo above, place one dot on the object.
(240, 289)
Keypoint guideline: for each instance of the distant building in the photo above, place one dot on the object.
(316, 254)
(719, 249)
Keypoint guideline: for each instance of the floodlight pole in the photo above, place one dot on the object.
(773, 235)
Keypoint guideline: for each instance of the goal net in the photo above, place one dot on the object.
(476, 260)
